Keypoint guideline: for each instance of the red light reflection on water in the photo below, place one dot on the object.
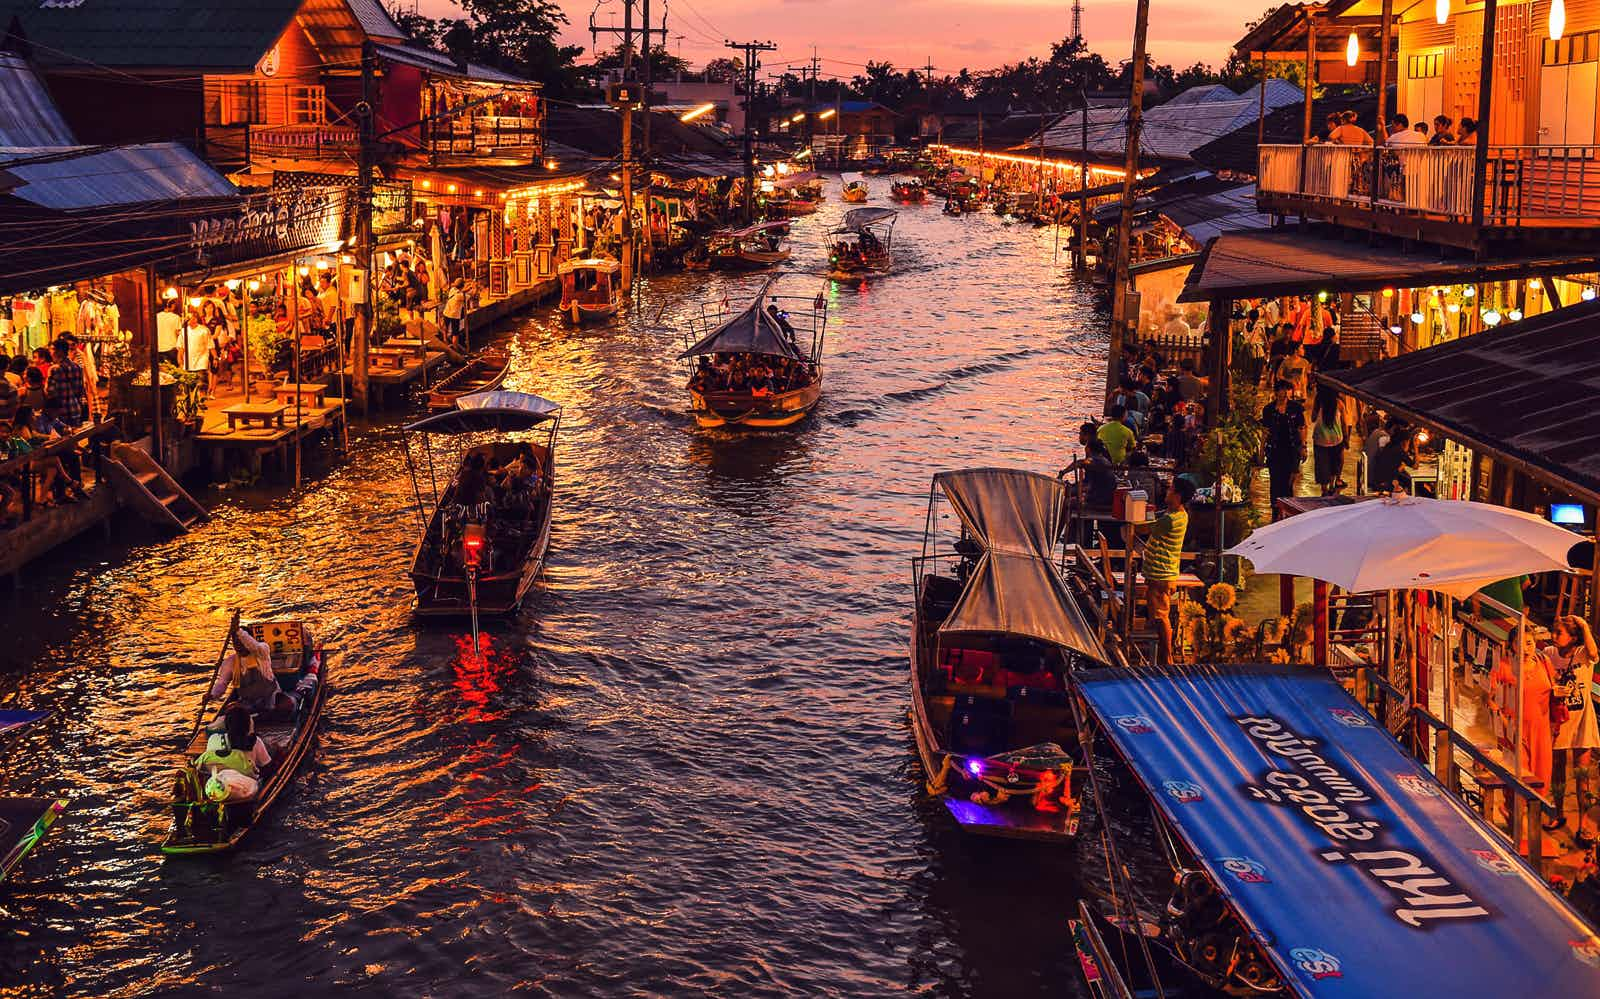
(480, 674)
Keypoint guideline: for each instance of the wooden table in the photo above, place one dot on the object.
(308, 394)
(387, 357)
(411, 344)
(265, 413)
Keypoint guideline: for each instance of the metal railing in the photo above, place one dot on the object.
(481, 135)
(1524, 183)
(301, 140)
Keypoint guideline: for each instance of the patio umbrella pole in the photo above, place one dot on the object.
(1445, 766)
(1516, 723)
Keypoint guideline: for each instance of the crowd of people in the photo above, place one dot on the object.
(757, 374)
(43, 398)
(1341, 128)
(486, 486)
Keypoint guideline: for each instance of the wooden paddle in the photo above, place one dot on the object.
(200, 715)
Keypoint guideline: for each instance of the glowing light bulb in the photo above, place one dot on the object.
(1388, 293)
(254, 285)
(1395, 330)
(1588, 294)
(1469, 291)
(232, 283)
(1558, 19)
(1416, 317)
(1441, 10)
(1454, 307)
(1352, 49)
(1515, 315)
(1491, 317)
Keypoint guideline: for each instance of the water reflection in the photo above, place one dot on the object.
(683, 769)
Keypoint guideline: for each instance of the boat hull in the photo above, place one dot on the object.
(483, 373)
(749, 260)
(726, 409)
(580, 314)
(500, 595)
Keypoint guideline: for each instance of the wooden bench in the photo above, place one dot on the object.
(307, 394)
(267, 414)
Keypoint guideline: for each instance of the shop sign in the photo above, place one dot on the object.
(265, 225)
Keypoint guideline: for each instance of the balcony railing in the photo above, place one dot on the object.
(487, 135)
(1524, 183)
(312, 141)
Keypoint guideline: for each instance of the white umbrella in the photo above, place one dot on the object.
(1410, 543)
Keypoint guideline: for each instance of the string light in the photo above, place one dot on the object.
(1416, 317)
(1491, 317)
(1515, 315)
(170, 293)
(1588, 293)
(254, 285)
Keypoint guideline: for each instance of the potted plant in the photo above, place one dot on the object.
(269, 347)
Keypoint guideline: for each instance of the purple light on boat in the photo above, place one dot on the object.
(975, 767)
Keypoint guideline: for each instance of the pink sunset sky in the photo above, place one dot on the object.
(975, 34)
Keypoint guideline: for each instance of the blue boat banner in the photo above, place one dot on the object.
(1356, 871)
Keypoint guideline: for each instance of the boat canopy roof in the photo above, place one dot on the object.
(753, 229)
(860, 218)
(603, 264)
(497, 410)
(756, 330)
(16, 718)
(1016, 516)
(1343, 855)
(1012, 594)
(1007, 509)
(796, 179)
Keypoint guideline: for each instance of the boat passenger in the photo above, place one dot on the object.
(248, 667)
(236, 747)
(521, 474)
(1099, 482)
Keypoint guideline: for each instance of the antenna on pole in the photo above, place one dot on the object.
(1077, 19)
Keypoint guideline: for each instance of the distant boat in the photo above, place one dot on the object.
(861, 246)
(855, 192)
(591, 289)
(910, 192)
(748, 249)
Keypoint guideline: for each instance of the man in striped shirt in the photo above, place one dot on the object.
(1162, 553)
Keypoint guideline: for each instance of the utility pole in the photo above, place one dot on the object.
(625, 97)
(752, 62)
(809, 72)
(363, 309)
(1119, 292)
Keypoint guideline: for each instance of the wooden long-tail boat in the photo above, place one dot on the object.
(481, 547)
(750, 369)
(482, 373)
(995, 638)
(301, 667)
(24, 821)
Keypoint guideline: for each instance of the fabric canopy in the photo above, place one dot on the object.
(753, 331)
(796, 179)
(858, 218)
(1353, 868)
(1019, 594)
(498, 410)
(1410, 542)
(1006, 509)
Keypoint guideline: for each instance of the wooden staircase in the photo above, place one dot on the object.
(144, 485)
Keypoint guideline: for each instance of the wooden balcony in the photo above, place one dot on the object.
(1535, 196)
(314, 142)
(478, 138)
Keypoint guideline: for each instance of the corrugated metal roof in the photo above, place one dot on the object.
(1170, 131)
(28, 117)
(374, 19)
(1526, 391)
(1209, 215)
(89, 177)
(438, 62)
(215, 34)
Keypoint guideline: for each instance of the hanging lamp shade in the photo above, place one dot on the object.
(1558, 19)
(1441, 10)
(1352, 50)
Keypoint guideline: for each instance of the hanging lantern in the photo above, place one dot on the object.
(1491, 317)
(1352, 48)
(1388, 293)
(1558, 19)
(1588, 294)
(1441, 10)
(1416, 317)
(1469, 291)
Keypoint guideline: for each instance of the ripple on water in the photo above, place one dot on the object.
(684, 769)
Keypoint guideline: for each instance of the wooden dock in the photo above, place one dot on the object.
(389, 386)
(255, 446)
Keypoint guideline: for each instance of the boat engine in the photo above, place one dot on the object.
(1211, 940)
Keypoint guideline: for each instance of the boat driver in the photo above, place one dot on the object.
(248, 667)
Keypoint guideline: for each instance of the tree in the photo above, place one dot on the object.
(724, 69)
(663, 64)
(518, 36)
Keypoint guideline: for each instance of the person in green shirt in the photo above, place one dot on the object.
(1116, 436)
(1506, 591)
(1162, 554)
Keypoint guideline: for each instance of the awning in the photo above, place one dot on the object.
(499, 410)
(860, 218)
(1356, 872)
(1007, 509)
(1524, 393)
(1280, 262)
(603, 264)
(753, 331)
(1010, 594)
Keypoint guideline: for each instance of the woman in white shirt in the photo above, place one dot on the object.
(1572, 660)
(195, 345)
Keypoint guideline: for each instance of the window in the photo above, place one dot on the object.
(307, 105)
(243, 102)
(1421, 67)
(1582, 47)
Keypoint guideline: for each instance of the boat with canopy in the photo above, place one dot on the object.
(752, 248)
(797, 193)
(862, 244)
(760, 367)
(24, 820)
(483, 538)
(855, 191)
(996, 638)
(1310, 851)
(213, 811)
(591, 289)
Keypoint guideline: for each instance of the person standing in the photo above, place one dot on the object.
(1163, 553)
(197, 343)
(1116, 435)
(1572, 658)
(455, 308)
(1284, 423)
(1328, 438)
(66, 394)
(169, 326)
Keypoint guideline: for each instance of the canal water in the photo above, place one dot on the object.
(685, 769)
